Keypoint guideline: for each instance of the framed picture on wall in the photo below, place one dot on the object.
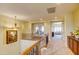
(11, 36)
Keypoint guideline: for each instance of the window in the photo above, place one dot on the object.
(38, 29)
(57, 27)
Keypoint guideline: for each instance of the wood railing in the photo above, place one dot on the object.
(33, 50)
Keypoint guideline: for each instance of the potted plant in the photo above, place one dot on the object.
(76, 34)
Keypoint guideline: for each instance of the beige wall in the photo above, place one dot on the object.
(68, 24)
(76, 19)
(5, 23)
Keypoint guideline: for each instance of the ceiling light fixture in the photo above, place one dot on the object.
(15, 24)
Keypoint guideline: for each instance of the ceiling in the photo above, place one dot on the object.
(28, 11)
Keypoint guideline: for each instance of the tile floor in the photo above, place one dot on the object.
(56, 47)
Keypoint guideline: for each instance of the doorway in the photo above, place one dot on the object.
(57, 30)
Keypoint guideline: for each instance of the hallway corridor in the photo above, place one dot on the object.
(56, 47)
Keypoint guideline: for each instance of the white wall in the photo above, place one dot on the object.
(68, 26)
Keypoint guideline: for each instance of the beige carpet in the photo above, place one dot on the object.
(56, 47)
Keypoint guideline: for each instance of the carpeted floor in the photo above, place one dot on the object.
(56, 47)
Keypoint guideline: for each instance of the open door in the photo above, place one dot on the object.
(57, 30)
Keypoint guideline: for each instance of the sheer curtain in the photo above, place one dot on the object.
(57, 27)
(38, 29)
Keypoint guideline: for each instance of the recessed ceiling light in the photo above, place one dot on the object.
(41, 19)
(58, 3)
(55, 17)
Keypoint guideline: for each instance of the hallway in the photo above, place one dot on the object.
(56, 47)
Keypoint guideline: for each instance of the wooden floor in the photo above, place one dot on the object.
(56, 47)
